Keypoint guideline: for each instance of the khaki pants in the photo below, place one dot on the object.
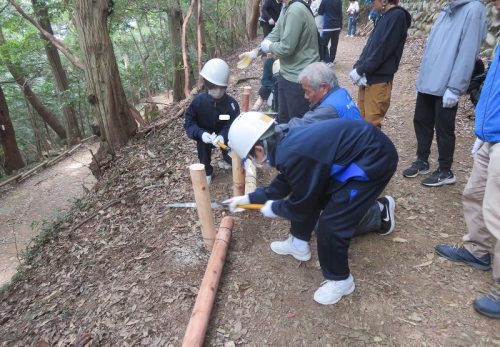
(481, 201)
(374, 101)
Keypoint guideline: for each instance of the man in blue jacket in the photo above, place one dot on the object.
(481, 197)
(210, 114)
(445, 72)
(330, 174)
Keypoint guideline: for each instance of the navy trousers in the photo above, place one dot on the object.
(205, 156)
(291, 100)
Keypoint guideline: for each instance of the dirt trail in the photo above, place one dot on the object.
(23, 207)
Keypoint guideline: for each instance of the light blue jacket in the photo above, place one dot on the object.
(487, 123)
(452, 48)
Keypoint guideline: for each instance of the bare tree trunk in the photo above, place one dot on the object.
(13, 159)
(144, 59)
(199, 24)
(41, 145)
(61, 80)
(174, 25)
(106, 94)
(185, 22)
(252, 18)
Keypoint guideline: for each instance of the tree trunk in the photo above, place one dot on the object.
(185, 61)
(61, 80)
(199, 27)
(13, 159)
(252, 18)
(174, 25)
(106, 94)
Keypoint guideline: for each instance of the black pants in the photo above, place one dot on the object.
(266, 28)
(205, 156)
(430, 114)
(331, 37)
(291, 100)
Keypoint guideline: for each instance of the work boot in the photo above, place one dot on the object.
(418, 167)
(460, 254)
(440, 177)
(489, 304)
(387, 215)
(330, 292)
(257, 105)
(209, 179)
(288, 248)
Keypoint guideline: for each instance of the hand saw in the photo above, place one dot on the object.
(215, 205)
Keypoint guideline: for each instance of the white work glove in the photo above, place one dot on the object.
(450, 99)
(267, 211)
(235, 201)
(265, 46)
(206, 137)
(363, 82)
(217, 138)
(271, 21)
(251, 54)
(477, 145)
(355, 77)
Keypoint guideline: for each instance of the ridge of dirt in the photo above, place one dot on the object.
(129, 276)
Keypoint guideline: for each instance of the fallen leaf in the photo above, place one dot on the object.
(399, 239)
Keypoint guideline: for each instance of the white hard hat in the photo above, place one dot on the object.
(246, 130)
(216, 71)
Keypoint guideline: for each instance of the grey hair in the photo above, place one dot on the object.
(318, 73)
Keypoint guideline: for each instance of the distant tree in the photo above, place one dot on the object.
(174, 14)
(12, 156)
(252, 18)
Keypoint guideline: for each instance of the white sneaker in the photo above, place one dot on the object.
(223, 165)
(330, 292)
(209, 179)
(287, 248)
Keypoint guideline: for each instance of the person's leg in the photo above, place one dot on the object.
(423, 123)
(354, 25)
(205, 156)
(334, 42)
(291, 100)
(325, 39)
(349, 25)
(445, 134)
(377, 100)
(283, 116)
(266, 28)
(361, 100)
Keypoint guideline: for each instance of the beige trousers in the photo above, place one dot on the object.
(374, 101)
(481, 202)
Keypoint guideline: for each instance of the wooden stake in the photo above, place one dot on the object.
(245, 101)
(250, 177)
(238, 175)
(197, 327)
(202, 198)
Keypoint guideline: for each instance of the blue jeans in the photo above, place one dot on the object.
(351, 25)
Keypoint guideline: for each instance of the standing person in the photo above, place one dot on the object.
(330, 173)
(294, 41)
(445, 72)
(270, 13)
(352, 12)
(481, 197)
(210, 114)
(379, 60)
(331, 10)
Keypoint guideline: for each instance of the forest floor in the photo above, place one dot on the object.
(124, 270)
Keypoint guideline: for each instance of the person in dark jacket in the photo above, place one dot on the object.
(210, 114)
(270, 12)
(331, 10)
(330, 174)
(379, 60)
(266, 83)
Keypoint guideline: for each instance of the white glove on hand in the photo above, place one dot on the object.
(235, 201)
(251, 54)
(206, 137)
(216, 139)
(450, 99)
(355, 77)
(265, 46)
(477, 145)
(267, 210)
(271, 21)
(362, 81)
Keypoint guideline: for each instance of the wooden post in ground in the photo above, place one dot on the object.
(202, 198)
(238, 175)
(245, 101)
(250, 177)
(197, 327)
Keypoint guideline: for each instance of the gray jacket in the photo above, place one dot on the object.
(452, 48)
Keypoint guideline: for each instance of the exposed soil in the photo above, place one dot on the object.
(129, 275)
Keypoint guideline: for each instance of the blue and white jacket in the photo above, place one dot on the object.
(487, 123)
(318, 160)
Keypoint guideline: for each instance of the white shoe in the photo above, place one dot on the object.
(209, 179)
(287, 248)
(330, 292)
(223, 165)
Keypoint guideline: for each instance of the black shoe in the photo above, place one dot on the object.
(387, 215)
(418, 167)
(440, 177)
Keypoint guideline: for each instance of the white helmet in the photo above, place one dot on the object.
(246, 130)
(216, 71)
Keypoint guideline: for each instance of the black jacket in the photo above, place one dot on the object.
(271, 9)
(203, 113)
(331, 10)
(382, 53)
